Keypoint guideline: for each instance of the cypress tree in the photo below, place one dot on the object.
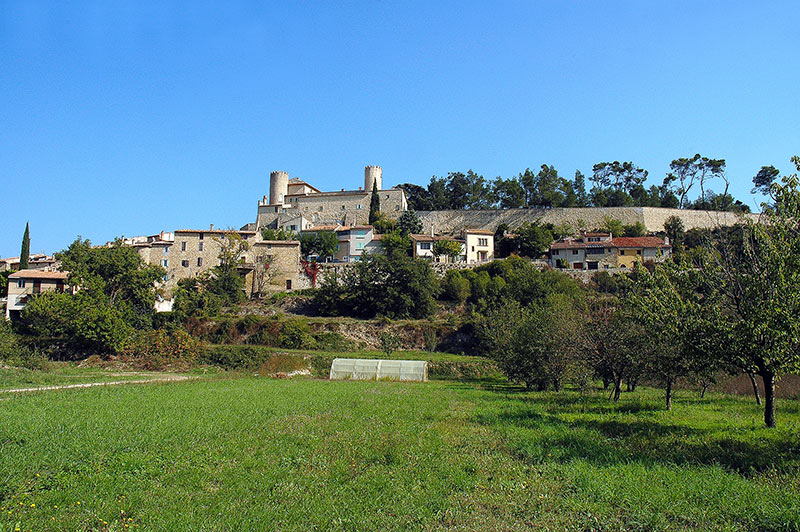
(374, 204)
(25, 252)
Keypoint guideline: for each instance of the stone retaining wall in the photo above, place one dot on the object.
(453, 221)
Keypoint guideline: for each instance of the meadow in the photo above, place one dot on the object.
(234, 452)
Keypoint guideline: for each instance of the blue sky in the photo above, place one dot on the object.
(132, 118)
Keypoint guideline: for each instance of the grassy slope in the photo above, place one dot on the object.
(58, 373)
(260, 454)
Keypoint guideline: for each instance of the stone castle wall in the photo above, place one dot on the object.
(331, 208)
(453, 221)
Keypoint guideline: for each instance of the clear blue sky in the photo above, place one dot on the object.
(138, 117)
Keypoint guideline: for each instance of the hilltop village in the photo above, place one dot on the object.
(295, 207)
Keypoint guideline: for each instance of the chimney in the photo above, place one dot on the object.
(212, 227)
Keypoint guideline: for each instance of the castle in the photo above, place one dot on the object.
(296, 205)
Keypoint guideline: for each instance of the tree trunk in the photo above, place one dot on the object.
(769, 399)
(669, 395)
(617, 389)
(755, 388)
(605, 382)
(703, 390)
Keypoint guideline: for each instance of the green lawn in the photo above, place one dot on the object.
(263, 454)
(65, 373)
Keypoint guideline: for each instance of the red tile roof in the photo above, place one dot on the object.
(38, 274)
(479, 231)
(616, 242)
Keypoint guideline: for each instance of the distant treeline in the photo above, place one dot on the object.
(611, 184)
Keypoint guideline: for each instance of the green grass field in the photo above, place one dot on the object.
(66, 373)
(251, 453)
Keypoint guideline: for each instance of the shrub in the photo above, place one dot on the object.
(332, 341)
(156, 350)
(389, 342)
(296, 334)
(455, 287)
(26, 357)
(429, 339)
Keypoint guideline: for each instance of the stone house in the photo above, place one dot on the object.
(266, 266)
(595, 251)
(36, 261)
(24, 284)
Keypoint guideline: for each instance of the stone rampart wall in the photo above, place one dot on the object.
(452, 221)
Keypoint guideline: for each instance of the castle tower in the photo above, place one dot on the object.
(278, 187)
(373, 174)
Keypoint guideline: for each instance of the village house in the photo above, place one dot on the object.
(24, 284)
(477, 245)
(267, 265)
(36, 261)
(353, 241)
(594, 251)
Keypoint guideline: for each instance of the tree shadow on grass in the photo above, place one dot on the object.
(539, 433)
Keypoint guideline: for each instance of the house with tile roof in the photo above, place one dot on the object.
(596, 251)
(24, 284)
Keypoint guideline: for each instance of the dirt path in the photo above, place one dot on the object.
(91, 384)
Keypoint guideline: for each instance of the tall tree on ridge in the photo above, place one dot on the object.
(25, 252)
(374, 204)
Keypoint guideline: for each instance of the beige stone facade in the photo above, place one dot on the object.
(293, 198)
(267, 266)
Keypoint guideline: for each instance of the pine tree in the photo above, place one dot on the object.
(25, 252)
(374, 204)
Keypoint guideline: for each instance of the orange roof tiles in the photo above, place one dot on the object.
(38, 274)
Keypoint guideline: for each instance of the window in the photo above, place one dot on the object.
(424, 245)
(595, 251)
(185, 263)
(320, 207)
(343, 207)
(483, 241)
(288, 284)
(201, 236)
(166, 250)
(20, 283)
(183, 246)
(574, 251)
(622, 253)
(358, 206)
(638, 251)
(199, 261)
(200, 246)
(292, 228)
(555, 252)
(164, 263)
(360, 245)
